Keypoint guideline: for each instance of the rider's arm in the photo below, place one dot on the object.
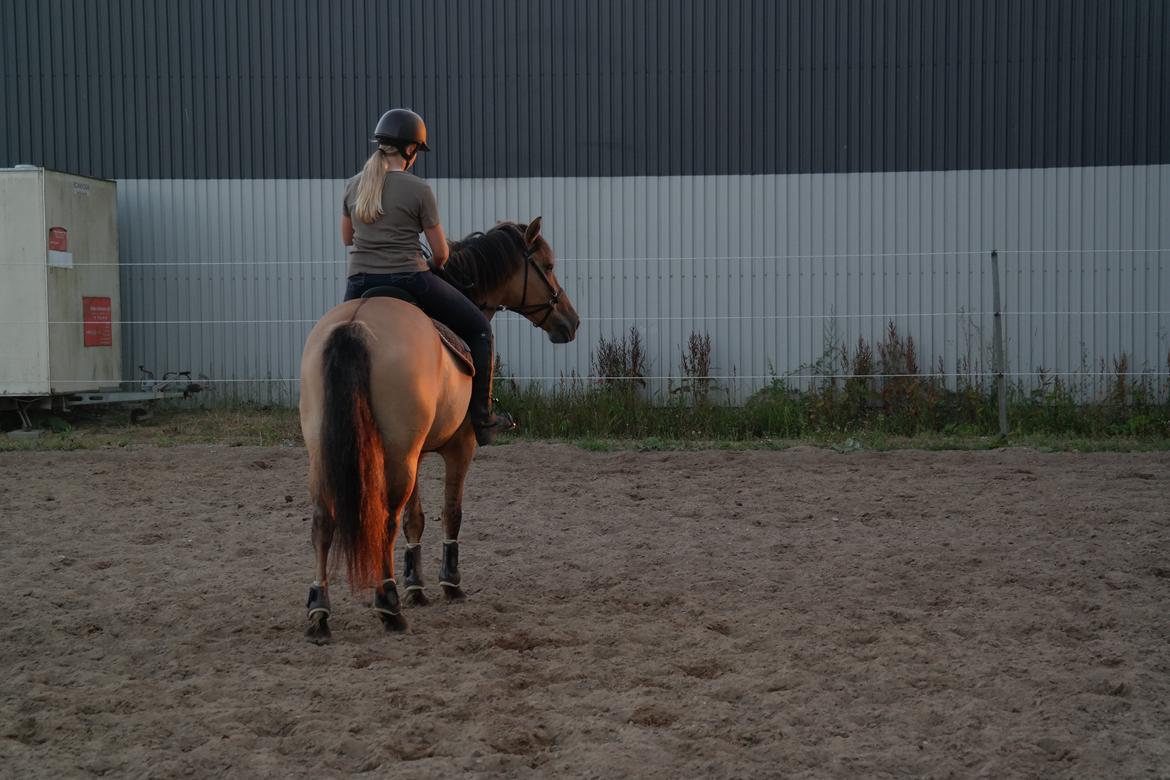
(438, 242)
(346, 218)
(428, 220)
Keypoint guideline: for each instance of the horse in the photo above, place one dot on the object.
(379, 389)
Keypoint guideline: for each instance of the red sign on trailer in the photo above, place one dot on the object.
(97, 314)
(58, 239)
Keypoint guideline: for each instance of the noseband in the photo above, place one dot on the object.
(525, 309)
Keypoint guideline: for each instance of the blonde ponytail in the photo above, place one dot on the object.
(368, 205)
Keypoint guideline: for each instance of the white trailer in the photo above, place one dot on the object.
(60, 341)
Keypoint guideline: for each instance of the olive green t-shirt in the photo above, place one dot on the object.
(390, 244)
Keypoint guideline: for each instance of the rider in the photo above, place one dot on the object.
(383, 209)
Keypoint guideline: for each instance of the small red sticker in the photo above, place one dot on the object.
(97, 314)
(58, 239)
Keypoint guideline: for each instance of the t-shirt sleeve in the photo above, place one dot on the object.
(345, 200)
(428, 209)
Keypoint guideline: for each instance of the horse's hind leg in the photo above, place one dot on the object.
(457, 456)
(413, 523)
(317, 629)
(400, 484)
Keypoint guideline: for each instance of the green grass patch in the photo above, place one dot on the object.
(604, 417)
(777, 416)
(167, 424)
(864, 396)
(276, 426)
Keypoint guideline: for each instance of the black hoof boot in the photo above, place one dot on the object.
(413, 577)
(317, 631)
(388, 607)
(449, 576)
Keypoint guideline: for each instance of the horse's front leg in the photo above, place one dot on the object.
(317, 629)
(457, 457)
(412, 527)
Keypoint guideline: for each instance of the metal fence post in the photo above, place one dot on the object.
(998, 347)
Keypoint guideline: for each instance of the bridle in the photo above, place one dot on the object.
(524, 309)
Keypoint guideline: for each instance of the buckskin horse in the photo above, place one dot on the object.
(379, 389)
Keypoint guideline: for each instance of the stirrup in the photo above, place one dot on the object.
(486, 432)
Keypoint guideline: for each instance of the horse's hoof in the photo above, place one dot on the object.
(416, 598)
(394, 624)
(388, 605)
(318, 631)
(454, 593)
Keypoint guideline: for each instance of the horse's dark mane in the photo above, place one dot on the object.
(484, 261)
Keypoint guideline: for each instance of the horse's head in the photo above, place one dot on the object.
(512, 267)
(536, 293)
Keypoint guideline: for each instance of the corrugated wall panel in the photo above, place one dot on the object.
(257, 89)
(225, 277)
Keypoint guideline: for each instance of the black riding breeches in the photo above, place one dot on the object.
(438, 298)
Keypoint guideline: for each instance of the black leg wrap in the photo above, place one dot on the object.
(412, 576)
(386, 601)
(449, 569)
(318, 601)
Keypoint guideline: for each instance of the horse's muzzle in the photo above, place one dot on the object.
(563, 329)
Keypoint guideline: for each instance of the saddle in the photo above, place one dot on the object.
(457, 346)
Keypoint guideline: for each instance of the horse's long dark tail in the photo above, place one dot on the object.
(353, 475)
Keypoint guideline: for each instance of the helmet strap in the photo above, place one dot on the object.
(402, 151)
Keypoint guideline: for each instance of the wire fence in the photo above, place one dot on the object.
(153, 339)
(680, 377)
(330, 261)
(660, 318)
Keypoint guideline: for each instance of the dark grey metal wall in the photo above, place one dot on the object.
(290, 88)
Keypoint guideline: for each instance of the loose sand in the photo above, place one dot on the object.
(641, 614)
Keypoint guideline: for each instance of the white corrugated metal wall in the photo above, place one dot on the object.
(225, 277)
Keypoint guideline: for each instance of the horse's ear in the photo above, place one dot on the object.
(533, 232)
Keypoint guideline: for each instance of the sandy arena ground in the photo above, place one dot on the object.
(760, 614)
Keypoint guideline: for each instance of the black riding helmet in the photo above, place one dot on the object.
(400, 127)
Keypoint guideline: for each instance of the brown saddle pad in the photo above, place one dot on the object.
(457, 346)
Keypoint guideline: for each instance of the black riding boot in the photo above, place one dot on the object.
(486, 423)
